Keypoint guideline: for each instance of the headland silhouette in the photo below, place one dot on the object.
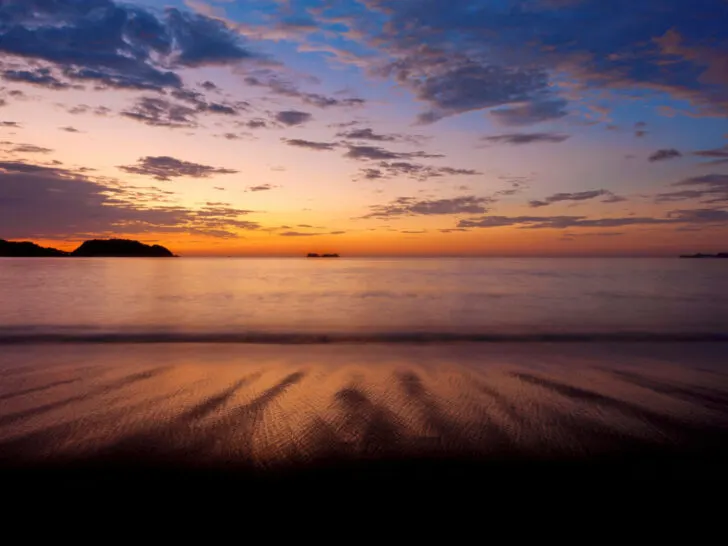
(95, 248)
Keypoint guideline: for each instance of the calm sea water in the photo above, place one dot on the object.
(488, 296)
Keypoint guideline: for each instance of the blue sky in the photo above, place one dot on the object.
(375, 126)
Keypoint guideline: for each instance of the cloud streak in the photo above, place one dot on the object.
(411, 206)
(166, 168)
(516, 139)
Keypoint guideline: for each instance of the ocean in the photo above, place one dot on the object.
(263, 365)
(360, 299)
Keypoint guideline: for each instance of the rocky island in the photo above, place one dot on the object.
(26, 249)
(120, 248)
(96, 248)
(314, 255)
(719, 255)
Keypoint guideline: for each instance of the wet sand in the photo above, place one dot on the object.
(274, 408)
(556, 425)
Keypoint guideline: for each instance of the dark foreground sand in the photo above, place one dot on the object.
(411, 418)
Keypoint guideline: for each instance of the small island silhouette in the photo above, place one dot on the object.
(314, 255)
(719, 255)
(95, 248)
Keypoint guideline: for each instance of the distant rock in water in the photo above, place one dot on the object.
(314, 255)
(26, 249)
(719, 255)
(120, 248)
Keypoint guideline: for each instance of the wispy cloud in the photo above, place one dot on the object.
(525, 138)
(411, 206)
(166, 168)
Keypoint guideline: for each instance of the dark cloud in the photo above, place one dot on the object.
(115, 45)
(593, 234)
(469, 54)
(209, 86)
(453, 230)
(293, 117)
(311, 145)
(201, 104)
(40, 76)
(367, 133)
(577, 196)
(202, 41)
(718, 155)
(13, 124)
(50, 202)
(410, 206)
(663, 155)
(31, 149)
(256, 123)
(524, 138)
(159, 112)
(697, 216)
(712, 187)
(308, 234)
(416, 171)
(166, 168)
(639, 129)
(85, 108)
(531, 112)
(231, 136)
(260, 187)
(612, 198)
(452, 82)
(287, 89)
(69, 129)
(376, 153)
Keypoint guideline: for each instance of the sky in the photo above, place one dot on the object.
(367, 127)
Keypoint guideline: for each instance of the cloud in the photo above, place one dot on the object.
(663, 155)
(612, 198)
(639, 129)
(261, 187)
(287, 89)
(713, 187)
(530, 113)
(570, 235)
(577, 196)
(719, 155)
(256, 123)
(366, 133)
(85, 108)
(41, 77)
(524, 138)
(166, 168)
(159, 112)
(308, 234)
(117, 45)
(453, 83)
(293, 117)
(468, 54)
(410, 206)
(311, 145)
(696, 216)
(69, 129)
(50, 202)
(376, 153)
(416, 171)
(202, 105)
(203, 41)
(13, 124)
(31, 149)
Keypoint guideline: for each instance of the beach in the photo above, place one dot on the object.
(257, 408)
